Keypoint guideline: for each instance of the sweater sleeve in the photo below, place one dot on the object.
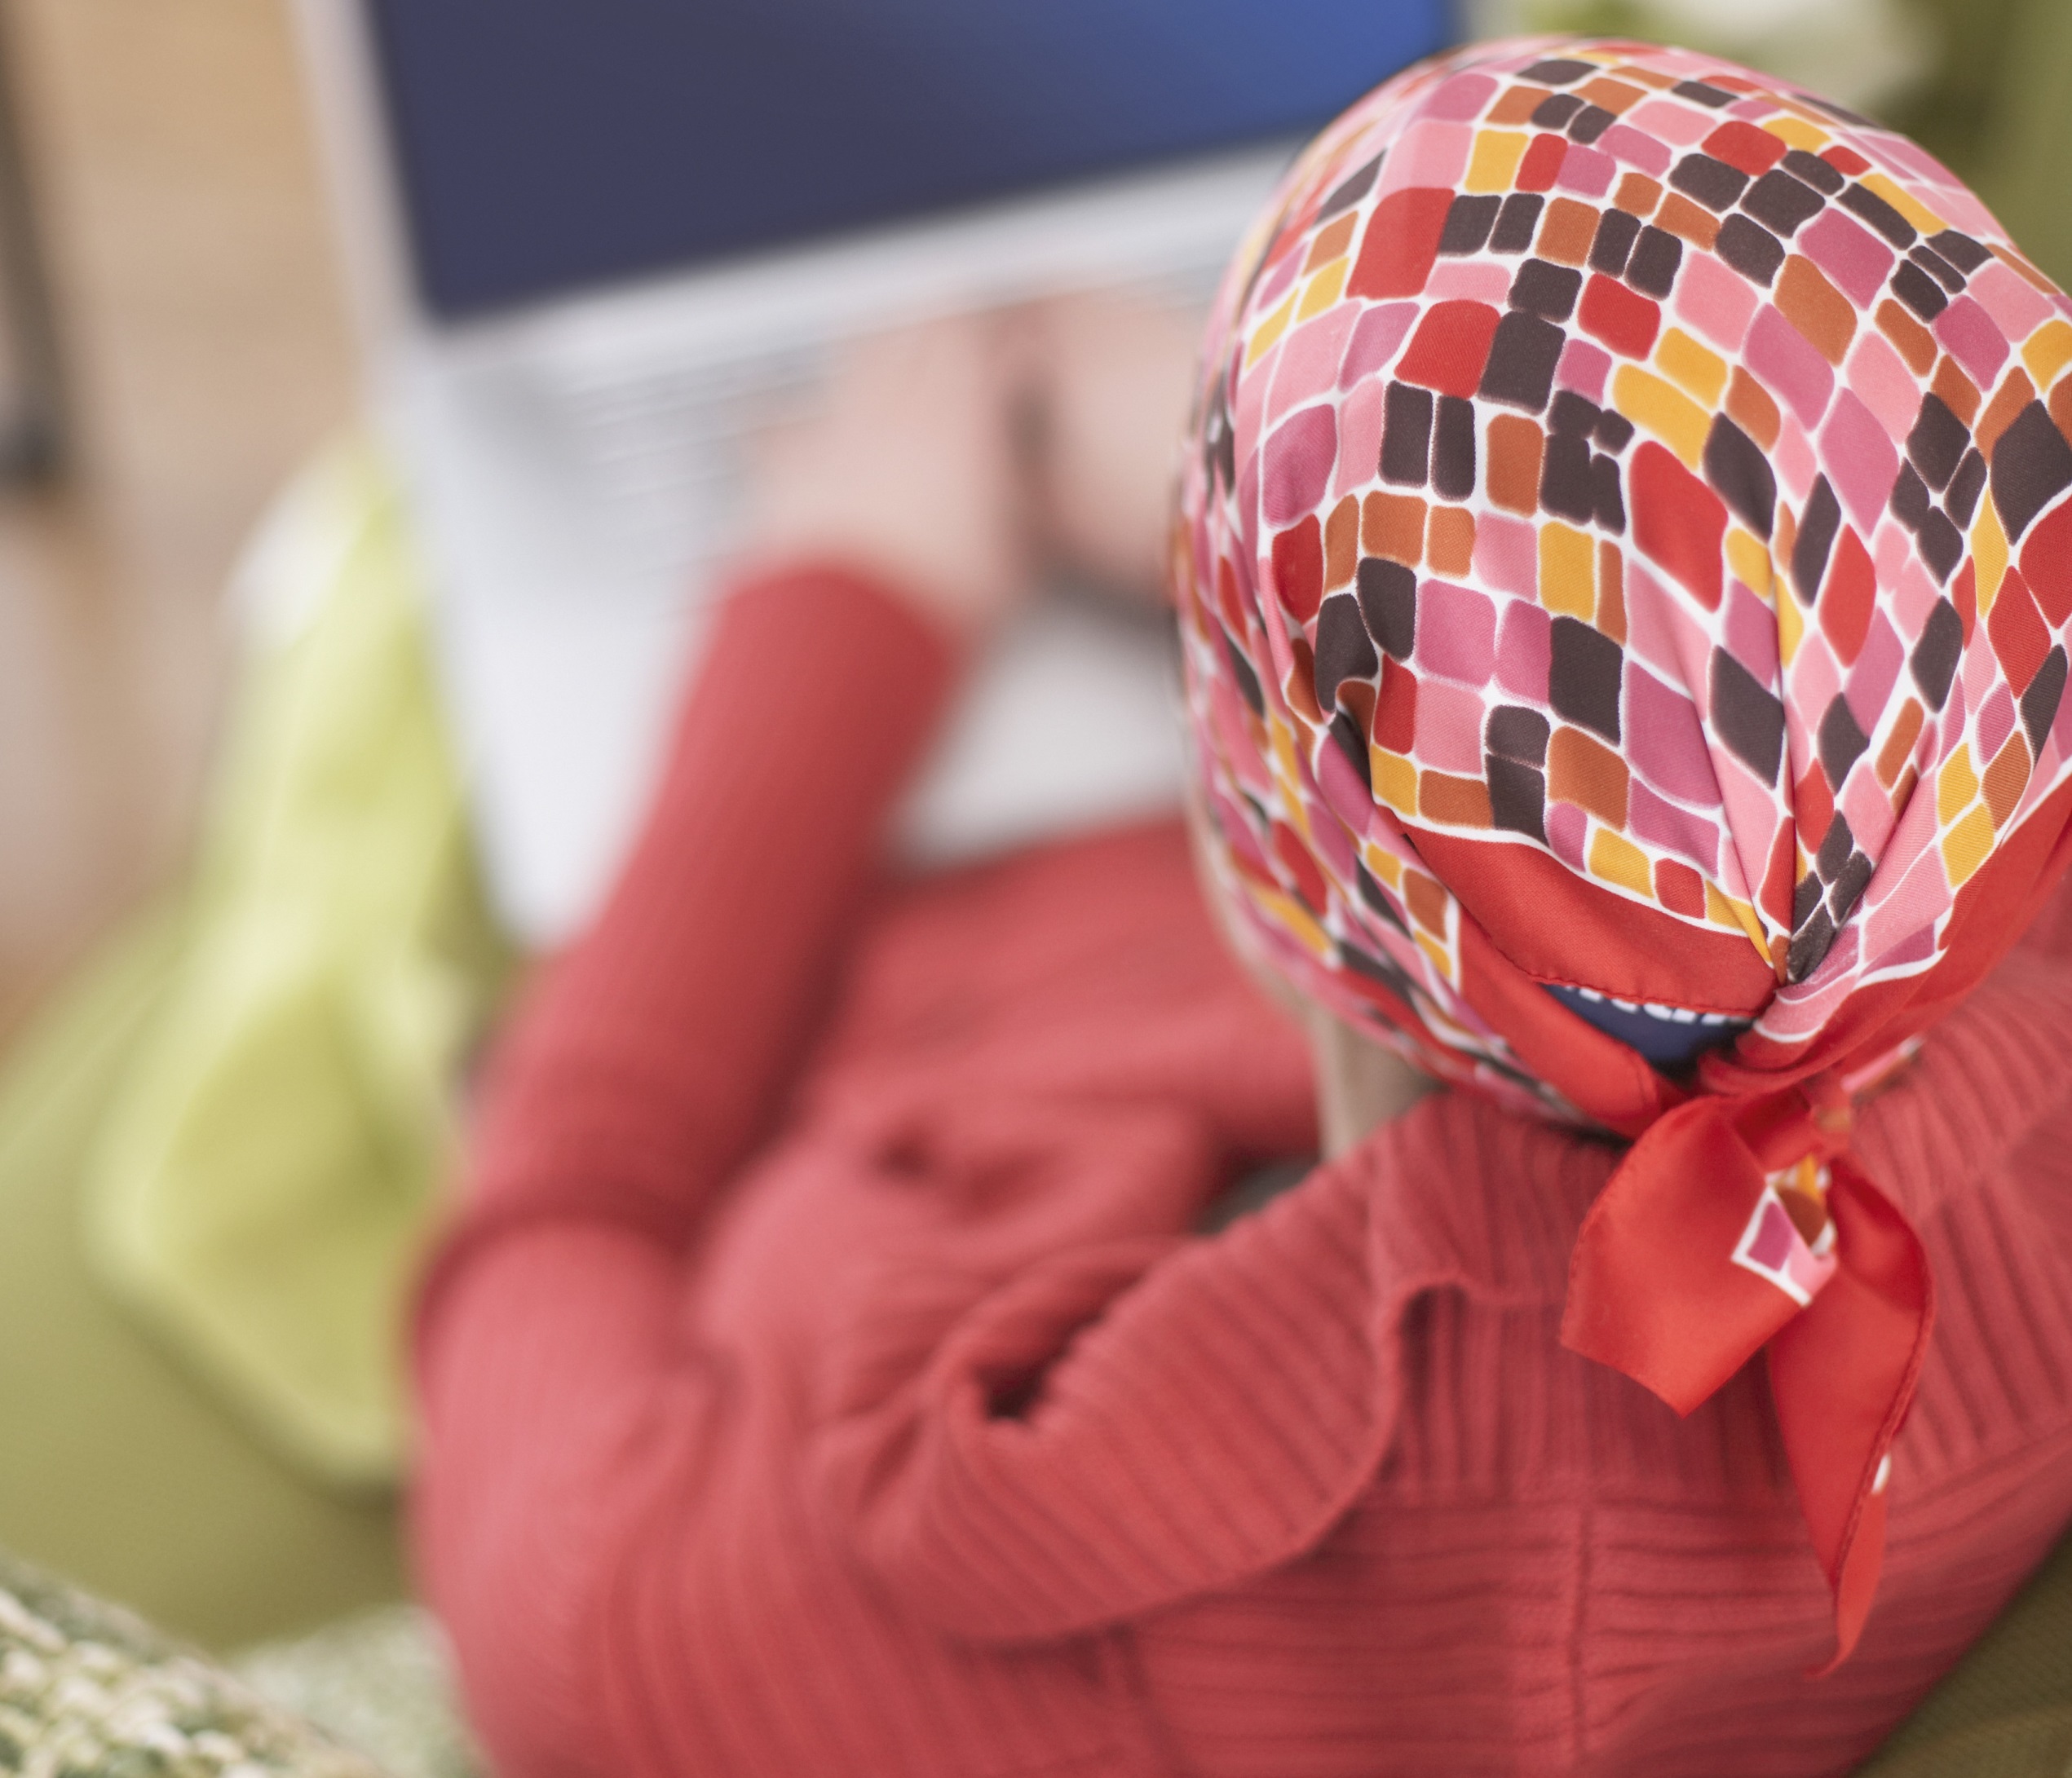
(631, 1086)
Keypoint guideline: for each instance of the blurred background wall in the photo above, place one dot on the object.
(206, 349)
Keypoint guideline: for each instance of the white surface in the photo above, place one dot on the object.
(1072, 722)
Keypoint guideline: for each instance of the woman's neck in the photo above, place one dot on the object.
(1360, 1086)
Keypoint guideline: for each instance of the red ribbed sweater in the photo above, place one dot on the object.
(821, 1375)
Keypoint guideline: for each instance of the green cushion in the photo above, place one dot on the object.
(2006, 1712)
(272, 1164)
(116, 1467)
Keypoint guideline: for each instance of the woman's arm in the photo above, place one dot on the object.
(640, 1074)
(635, 1082)
(653, 1053)
(556, 1396)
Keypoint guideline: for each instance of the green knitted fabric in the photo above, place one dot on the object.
(380, 1681)
(86, 1689)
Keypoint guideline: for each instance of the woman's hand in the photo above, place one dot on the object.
(907, 467)
(1114, 375)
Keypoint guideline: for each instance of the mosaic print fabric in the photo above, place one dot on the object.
(1628, 549)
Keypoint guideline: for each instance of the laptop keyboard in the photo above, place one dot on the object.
(663, 443)
(665, 447)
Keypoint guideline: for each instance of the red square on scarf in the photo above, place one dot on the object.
(1450, 347)
(1542, 164)
(1744, 145)
(1623, 319)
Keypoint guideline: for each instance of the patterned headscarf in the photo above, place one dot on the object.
(1624, 561)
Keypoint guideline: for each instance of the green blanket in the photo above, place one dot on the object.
(117, 1466)
(88, 1689)
(275, 1150)
(2006, 1710)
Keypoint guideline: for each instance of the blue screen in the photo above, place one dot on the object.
(548, 144)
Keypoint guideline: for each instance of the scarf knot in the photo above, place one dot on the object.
(1739, 1226)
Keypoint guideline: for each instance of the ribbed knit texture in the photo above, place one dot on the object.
(823, 1376)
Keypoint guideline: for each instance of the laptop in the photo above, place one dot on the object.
(588, 242)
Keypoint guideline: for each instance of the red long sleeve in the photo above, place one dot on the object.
(638, 1075)
(823, 1374)
(650, 1058)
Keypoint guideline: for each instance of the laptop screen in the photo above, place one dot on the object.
(546, 145)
